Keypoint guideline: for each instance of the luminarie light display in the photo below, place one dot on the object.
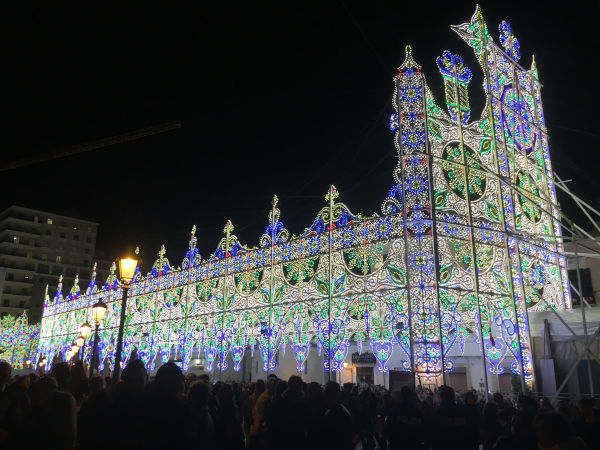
(468, 240)
(18, 340)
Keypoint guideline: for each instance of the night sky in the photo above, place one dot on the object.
(272, 99)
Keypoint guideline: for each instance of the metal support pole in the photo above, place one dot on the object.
(404, 215)
(94, 350)
(118, 356)
(472, 237)
(574, 366)
(585, 331)
(331, 191)
(271, 283)
(82, 353)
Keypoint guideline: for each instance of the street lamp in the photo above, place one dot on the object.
(98, 312)
(127, 268)
(85, 330)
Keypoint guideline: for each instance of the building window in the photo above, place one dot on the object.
(49, 221)
(63, 224)
(62, 235)
(22, 304)
(48, 233)
(89, 229)
(58, 258)
(86, 251)
(75, 238)
(30, 254)
(88, 240)
(6, 303)
(15, 239)
(75, 227)
(44, 257)
(27, 278)
(31, 243)
(10, 276)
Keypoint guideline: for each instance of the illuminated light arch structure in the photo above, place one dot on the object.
(468, 240)
(18, 340)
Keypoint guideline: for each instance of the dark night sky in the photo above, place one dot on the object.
(272, 99)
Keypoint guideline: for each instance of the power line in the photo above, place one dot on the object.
(94, 145)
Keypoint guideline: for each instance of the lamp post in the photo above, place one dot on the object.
(80, 341)
(41, 365)
(98, 312)
(85, 330)
(126, 271)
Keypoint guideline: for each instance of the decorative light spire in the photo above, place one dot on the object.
(228, 229)
(534, 70)
(111, 280)
(509, 41)
(456, 81)
(92, 284)
(75, 288)
(162, 263)
(475, 33)
(193, 240)
(409, 62)
(275, 232)
(332, 194)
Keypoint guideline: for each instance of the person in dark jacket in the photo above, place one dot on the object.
(288, 416)
(336, 429)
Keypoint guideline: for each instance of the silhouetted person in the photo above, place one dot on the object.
(552, 431)
(522, 436)
(5, 402)
(587, 426)
(62, 374)
(258, 429)
(95, 409)
(53, 418)
(258, 388)
(405, 422)
(198, 401)
(167, 420)
(450, 422)
(287, 420)
(336, 429)
(79, 381)
(316, 411)
(491, 428)
(228, 427)
(127, 404)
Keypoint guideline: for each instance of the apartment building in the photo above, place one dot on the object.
(35, 248)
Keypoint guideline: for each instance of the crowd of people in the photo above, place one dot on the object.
(66, 410)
